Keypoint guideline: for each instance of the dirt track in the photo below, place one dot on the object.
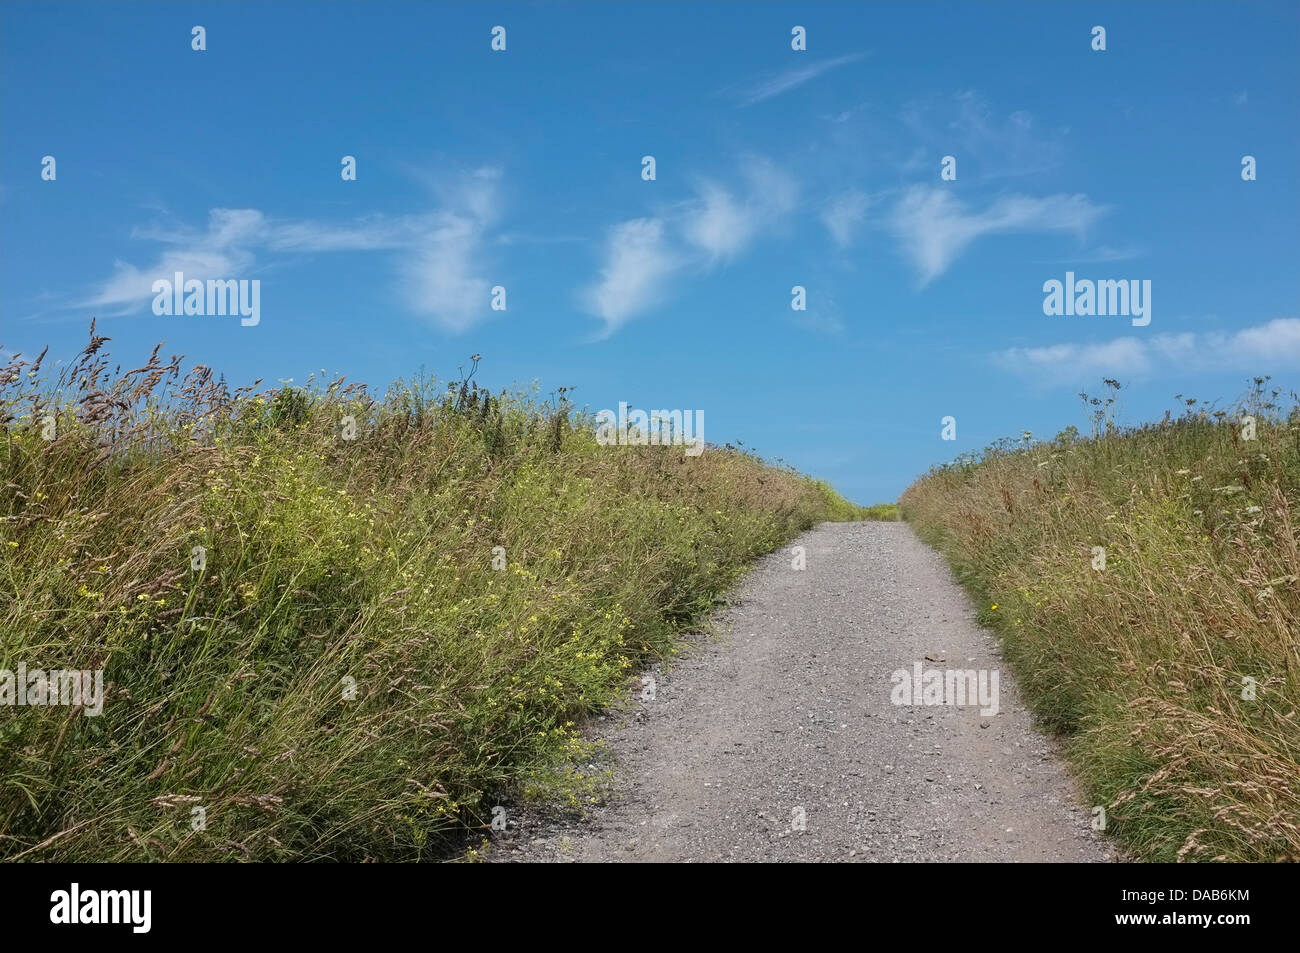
(787, 709)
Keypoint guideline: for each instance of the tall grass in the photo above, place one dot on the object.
(1173, 670)
(332, 562)
(881, 512)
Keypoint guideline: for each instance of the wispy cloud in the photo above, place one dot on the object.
(442, 269)
(722, 225)
(1121, 356)
(717, 224)
(843, 213)
(933, 227)
(1274, 345)
(1098, 255)
(966, 126)
(438, 266)
(786, 80)
(638, 263)
(823, 318)
(223, 249)
(642, 256)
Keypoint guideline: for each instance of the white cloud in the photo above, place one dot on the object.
(1274, 344)
(718, 225)
(843, 214)
(1121, 356)
(1102, 253)
(441, 277)
(375, 235)
(1279, 338)
(130, 288)
(443, 267)
(1263, 347)
(966, 127)
(219, 251)
(642, 255)
(439, 254)
(783, 82)
(722, 226)
(934, 227)
(637, 264)
(773, 192)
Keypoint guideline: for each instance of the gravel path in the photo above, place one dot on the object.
(786, 714)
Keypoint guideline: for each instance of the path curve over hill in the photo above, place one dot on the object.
(789, 708)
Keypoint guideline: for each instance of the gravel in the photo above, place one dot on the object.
(785, 707)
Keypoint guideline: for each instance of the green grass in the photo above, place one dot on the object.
(883, 512)
(332, 563)
(1143, 664)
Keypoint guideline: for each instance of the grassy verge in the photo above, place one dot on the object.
(1144, 584)
(317, 647)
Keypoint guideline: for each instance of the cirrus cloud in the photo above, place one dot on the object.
(440, 255)
(933, 227)
(1264, 347)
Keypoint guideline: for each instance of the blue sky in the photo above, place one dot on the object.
(775, 168)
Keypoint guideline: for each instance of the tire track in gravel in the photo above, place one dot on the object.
(789, 708)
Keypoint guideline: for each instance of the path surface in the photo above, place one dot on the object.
(788, 707)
